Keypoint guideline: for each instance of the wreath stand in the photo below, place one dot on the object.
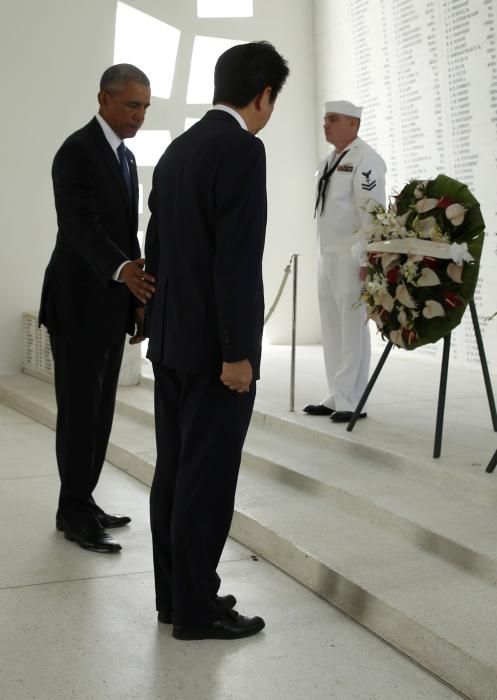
(442, 388)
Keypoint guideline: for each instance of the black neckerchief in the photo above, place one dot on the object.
(324, 181)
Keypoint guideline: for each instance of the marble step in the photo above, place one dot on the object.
(371, 536)
(426, 504)
(441, 616)
(393, 494)
(466, 480)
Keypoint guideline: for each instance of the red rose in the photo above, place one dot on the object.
(452, 300)
(431, 262)
(409, 336)
(444, 202)
(393, 275)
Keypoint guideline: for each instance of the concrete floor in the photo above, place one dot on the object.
(75, 624)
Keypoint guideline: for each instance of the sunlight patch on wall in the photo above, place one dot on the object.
(206, 51)
(225, 8)
(149, 44)
(190, 121)
(149, 145)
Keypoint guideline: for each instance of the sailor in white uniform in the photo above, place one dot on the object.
(351, 174)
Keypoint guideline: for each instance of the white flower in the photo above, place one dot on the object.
(425, 227)
(438, 235)
(455, 213)
(376, 317)
(386, 300)
(459, 252)
(455, 272)
(410, 268)
(396, 338)
(432, 309)
(372, 206)
(420, 188)
(401, 220)
(388, 259)
(402, 317)
(426, 204)
(428, 278)
(402, 295)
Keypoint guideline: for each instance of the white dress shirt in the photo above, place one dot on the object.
(233, 112)
(114, 142)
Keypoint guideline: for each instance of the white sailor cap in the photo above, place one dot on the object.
(343, 107)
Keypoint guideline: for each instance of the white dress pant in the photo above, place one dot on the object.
(345, 332)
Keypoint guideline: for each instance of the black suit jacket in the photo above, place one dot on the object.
(97, 227)
(204, 245)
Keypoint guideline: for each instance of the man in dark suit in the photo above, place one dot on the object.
(93, 293)
(204, 246)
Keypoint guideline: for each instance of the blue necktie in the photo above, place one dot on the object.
(121, 152)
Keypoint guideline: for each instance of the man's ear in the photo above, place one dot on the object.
(262, 97)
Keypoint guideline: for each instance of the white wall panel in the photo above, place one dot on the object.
(426, 73)
(56, 51)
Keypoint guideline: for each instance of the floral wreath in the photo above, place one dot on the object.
(422, 259)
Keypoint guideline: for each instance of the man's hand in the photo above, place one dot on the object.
(139, 282)
(140, 321)
(237, 376)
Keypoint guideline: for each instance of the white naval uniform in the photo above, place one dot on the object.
(346, 343)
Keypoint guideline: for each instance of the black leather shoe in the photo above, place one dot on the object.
(345, 416)
(106, 520)
(94, 540)
(318, 410)
(225, 602)
(231, 625)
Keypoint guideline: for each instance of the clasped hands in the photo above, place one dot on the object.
(140, 283)
(237, 376)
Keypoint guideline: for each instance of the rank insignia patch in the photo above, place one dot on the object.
(368, 184)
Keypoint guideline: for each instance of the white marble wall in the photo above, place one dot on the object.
(426, 73)
(54, 53)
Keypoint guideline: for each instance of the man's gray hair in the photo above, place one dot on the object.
(115, 77)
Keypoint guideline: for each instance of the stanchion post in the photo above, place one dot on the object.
(437, 448)
(484, 365)
(295, 259)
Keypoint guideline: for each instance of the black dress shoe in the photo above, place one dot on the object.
(224, 602)
(231, 625)
(109, 521)
(95, 540)
(345, 416)
(318, 410)
(106, 520)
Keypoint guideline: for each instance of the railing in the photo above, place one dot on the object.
(294, 262)
(37, 354)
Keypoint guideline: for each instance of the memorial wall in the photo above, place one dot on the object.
(426, 73)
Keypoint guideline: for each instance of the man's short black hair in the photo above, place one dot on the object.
(245, 70)
(116, 77)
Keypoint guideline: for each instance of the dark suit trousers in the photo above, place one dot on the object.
(86, 375)
(200, 430)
